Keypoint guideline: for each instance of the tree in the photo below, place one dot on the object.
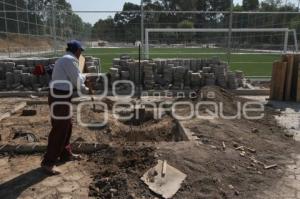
(127, 25)
(187, 37)
(250, 5)
(186, 24)
(104, 29)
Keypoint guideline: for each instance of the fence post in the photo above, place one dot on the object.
(296, 41)
(286, 40)
(54, 28)
(230, 32)
(142, 29)
(147, 44)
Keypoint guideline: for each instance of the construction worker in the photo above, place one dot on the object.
(65, 69)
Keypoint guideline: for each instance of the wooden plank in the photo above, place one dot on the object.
(295, 76)
(281, 80)
(278, 80)
(298, 85)
(273, 82)
(289, 72)
(82, 64)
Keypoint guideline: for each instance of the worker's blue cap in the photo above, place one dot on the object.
(74, 44)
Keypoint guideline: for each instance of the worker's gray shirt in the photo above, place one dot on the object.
(67, 69)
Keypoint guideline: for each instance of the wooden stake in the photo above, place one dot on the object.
(164, 168)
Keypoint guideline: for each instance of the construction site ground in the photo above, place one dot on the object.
(224, 159)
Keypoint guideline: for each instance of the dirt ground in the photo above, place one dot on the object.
(15, 129)
(19, 43)
(227, 160)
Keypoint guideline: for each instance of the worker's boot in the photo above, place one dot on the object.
(71, 157)
(50, 170)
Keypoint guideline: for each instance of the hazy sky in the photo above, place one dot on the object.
(86, 5)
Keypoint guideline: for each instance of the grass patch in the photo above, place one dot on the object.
(251, 64)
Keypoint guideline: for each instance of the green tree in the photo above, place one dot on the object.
(186, 37)
(104, 29)
(127, 25)
(250, 5)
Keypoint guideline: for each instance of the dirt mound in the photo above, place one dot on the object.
(118, 175)
(150, 131)
(226, 100)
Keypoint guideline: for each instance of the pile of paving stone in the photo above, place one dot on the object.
(17, 73)
(176, 73)
(92, 64)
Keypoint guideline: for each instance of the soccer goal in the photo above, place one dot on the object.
(285, 31)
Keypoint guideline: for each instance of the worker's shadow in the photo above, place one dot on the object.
(13, 188)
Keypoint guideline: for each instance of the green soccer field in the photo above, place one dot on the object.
(252, 64)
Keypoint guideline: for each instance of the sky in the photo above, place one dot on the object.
(107, 5)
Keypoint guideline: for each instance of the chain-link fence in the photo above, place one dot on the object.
(31, 28)
(248, 40)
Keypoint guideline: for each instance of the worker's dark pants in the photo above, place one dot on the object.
(59, 137)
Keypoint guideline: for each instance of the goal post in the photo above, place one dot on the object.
(286, 32)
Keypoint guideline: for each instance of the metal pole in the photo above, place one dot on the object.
(54, 27)
(296, 41)
(6, 28)
(36, 23)
(142, 28)
(28, 23)
(230, 32)
(140, 75)
(147, 44)
(286, 40)
(18, 24)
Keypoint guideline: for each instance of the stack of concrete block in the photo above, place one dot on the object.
(149, 75)
(9, 76)
(16, 73)
(187, 79)
(125, 75)
(220, 72)
(168, 73)
(206, 69)
(196, 80)
(92, 64)
(232, 80)
(240, 78)
(209, 79)
(114, 72)
(179, 73)
(131, 71)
